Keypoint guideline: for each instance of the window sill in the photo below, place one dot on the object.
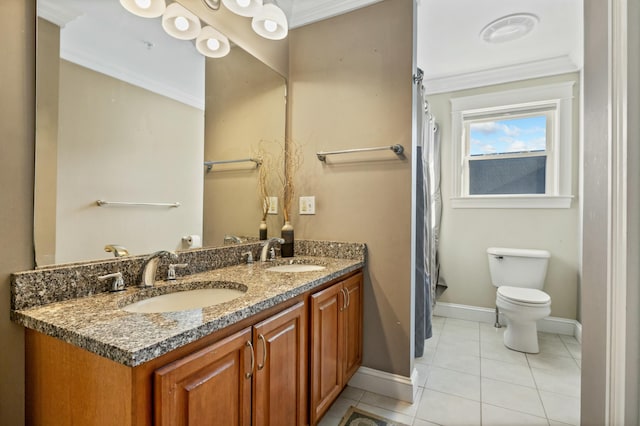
(512, 202)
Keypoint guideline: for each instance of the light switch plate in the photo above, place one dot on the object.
(273, 205)
(308, 205)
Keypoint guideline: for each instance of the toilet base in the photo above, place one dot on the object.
(522, 336)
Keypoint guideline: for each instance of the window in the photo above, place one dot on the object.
(513, 149)
(507, 155)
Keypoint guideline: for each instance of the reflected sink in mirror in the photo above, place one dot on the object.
(185, 300)
(296, 268)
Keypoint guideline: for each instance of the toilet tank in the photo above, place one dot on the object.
(518, 267)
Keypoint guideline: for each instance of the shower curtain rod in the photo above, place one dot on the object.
(418, 76)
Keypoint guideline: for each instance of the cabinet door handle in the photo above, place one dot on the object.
(344, 300)
(264, 351)
(346, 291)
(253, 360)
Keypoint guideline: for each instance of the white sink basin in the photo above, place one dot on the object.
(184, 300)
(296, 268)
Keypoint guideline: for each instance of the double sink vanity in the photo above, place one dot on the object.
(227, 342)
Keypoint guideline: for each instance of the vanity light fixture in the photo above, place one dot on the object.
(212, 43)
(247, 8)
(180, 23)
(145, 8)
(270, 22)
(509, 28)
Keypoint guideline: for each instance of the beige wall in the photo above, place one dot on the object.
(118, 142)
(244, 117)
(351, 87)
(17, 73)
(48, 45)
(467, 233)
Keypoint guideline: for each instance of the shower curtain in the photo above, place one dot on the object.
(428, 216)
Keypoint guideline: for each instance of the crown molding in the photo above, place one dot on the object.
(139, 79)
(524, 71)
(57, 14)
(318, 10)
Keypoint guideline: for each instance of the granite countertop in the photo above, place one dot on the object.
(97, 322)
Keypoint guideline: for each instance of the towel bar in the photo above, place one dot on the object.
(397, 149)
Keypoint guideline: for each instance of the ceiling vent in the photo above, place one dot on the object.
(509, 28)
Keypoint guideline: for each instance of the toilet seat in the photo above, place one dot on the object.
(523, 296)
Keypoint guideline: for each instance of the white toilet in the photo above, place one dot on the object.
(519, 275)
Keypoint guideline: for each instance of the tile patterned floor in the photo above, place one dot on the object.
(468, 377)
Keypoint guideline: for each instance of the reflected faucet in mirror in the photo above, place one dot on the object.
(232, 239)
(117, 250)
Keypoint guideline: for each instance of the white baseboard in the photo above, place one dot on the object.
(387, 384)
(578, 334)
(474, 313)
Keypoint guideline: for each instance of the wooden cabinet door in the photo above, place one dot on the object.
(353, 326)
(280, 381)
(326, 349)
(208, 387)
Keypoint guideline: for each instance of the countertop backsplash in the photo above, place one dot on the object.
(73, 280)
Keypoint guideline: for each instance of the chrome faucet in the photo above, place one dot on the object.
(118, 282)
(117, 250)
(150, 266)
(266, 246)
(171, 272)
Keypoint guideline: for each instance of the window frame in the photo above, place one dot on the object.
(556, 100)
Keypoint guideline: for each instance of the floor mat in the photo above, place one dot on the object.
(358, 417)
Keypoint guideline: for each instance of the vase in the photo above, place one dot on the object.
(263, 230)
(286, 248)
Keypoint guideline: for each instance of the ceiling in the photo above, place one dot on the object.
(453, 56)
(449, 50)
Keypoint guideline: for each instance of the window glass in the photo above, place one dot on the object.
(511, 175)
(507, 155)
(517, 135)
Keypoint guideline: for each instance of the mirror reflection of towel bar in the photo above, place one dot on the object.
(101, 203)
(210, 164)
(397, 149)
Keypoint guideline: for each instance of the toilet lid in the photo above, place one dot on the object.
(526, 295)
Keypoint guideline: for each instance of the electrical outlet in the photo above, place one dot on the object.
(273, 205)
(308, 205)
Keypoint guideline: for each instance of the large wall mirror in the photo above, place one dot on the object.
(126, 113)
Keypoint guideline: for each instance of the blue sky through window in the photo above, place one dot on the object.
(524, 134)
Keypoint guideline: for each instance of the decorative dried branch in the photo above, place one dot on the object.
(263, 178)
(292, 160)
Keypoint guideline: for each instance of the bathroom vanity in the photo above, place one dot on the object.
(278, 354)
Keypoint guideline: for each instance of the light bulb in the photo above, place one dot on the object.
(143, 4)
(243, 3)
(213, 44)
(270, 25)
(181, 23)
